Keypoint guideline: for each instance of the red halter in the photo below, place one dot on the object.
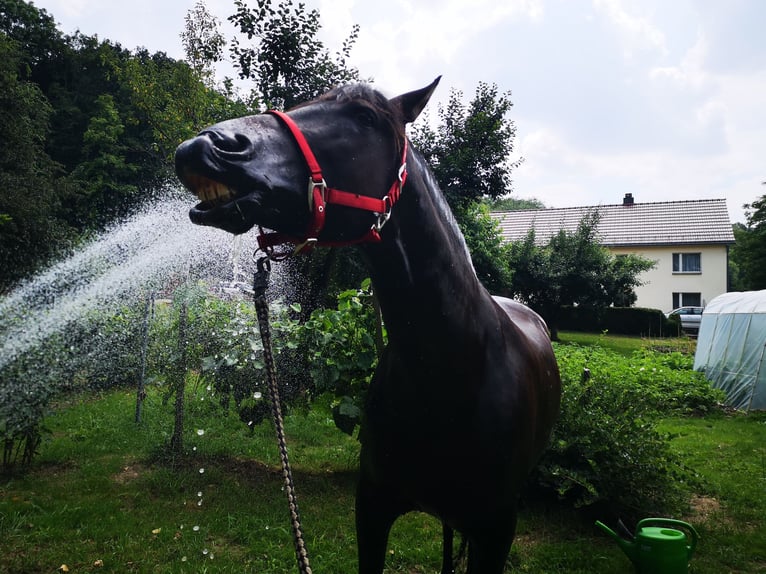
(320, 196)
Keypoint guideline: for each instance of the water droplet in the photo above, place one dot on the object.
(209, 388)
(257, 395)
(199, 502)
(200, 432)
(195, 528)
(184, 558)
(211, 556)
(205, 551)
(202, 471)
(199, 493)
(194, 448)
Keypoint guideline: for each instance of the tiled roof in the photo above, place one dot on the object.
(704, 221)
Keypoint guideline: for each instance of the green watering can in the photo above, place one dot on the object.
(656, 548)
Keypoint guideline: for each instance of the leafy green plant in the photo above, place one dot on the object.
(344, 353)
(605, 448)
(224, 346)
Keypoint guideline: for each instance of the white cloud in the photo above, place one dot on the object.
(690, 72)
(636, 32)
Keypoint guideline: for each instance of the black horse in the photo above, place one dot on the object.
(465, 395)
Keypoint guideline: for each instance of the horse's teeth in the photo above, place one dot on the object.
(212, 191)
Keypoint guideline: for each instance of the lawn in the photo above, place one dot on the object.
(627, 344)
(104, 496)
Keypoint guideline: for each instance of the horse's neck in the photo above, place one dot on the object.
(422, 270)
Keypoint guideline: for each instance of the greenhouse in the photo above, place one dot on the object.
(731, 345)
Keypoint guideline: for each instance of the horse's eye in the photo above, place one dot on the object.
(366, 117)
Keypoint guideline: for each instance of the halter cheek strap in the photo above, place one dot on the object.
(320, 195)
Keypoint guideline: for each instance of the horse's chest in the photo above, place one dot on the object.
(424, 426)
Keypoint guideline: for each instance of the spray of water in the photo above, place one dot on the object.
(153, 250)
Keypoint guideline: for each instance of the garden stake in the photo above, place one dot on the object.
(260, 282)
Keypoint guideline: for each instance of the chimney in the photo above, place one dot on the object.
(628, 199)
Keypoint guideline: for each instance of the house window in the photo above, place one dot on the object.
(687, 300)
(687, 263)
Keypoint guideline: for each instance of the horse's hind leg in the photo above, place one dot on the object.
(447, 558)
(488, 549)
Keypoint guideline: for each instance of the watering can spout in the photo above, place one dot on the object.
(627, 546)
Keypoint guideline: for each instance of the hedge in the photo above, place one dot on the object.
(619, 320)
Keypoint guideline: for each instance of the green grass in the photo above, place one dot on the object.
(729, 452)
(104, 496)
(626, 344)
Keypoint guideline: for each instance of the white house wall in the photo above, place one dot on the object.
(661, 282)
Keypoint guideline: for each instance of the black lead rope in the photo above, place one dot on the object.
(260, 283)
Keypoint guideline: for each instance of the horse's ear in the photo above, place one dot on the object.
(412, 103)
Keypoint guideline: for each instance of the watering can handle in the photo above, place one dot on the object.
(671, 521)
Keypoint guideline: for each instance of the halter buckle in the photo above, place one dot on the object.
(385, 216)
(307, 245)
(322, 185)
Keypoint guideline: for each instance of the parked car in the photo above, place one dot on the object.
(690, 318)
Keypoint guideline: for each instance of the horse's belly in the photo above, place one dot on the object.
(448, 472)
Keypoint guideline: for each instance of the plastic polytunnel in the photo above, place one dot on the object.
(731, 348)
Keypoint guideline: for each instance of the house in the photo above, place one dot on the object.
(688, 240)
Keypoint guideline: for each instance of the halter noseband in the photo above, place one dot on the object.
(320, 195)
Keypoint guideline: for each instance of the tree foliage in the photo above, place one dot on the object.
(469, 149)
(31, 228)
(203, 41)
(749, 253)
(283, 55)
(171, 99)
(485, 243)
(572, 269)
(514, 204)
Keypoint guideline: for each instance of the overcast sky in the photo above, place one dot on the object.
(664, 100)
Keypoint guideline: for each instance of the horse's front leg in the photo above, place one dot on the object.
(489, 546)
(376, 511)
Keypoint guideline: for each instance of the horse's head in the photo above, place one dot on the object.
(255, 170)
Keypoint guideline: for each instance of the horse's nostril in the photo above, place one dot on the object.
(228, 141)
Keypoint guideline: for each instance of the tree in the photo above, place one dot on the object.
(572, 269)
(40, 43)
(288, 63)
(514, 204)
(749, 254)
(488, 251)
(102, 178)
(203, 42)
(30, 228)
(469, 149)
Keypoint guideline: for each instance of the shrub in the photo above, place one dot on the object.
(343, 352)
(618, 320)
(26, 390)
(605, 447)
